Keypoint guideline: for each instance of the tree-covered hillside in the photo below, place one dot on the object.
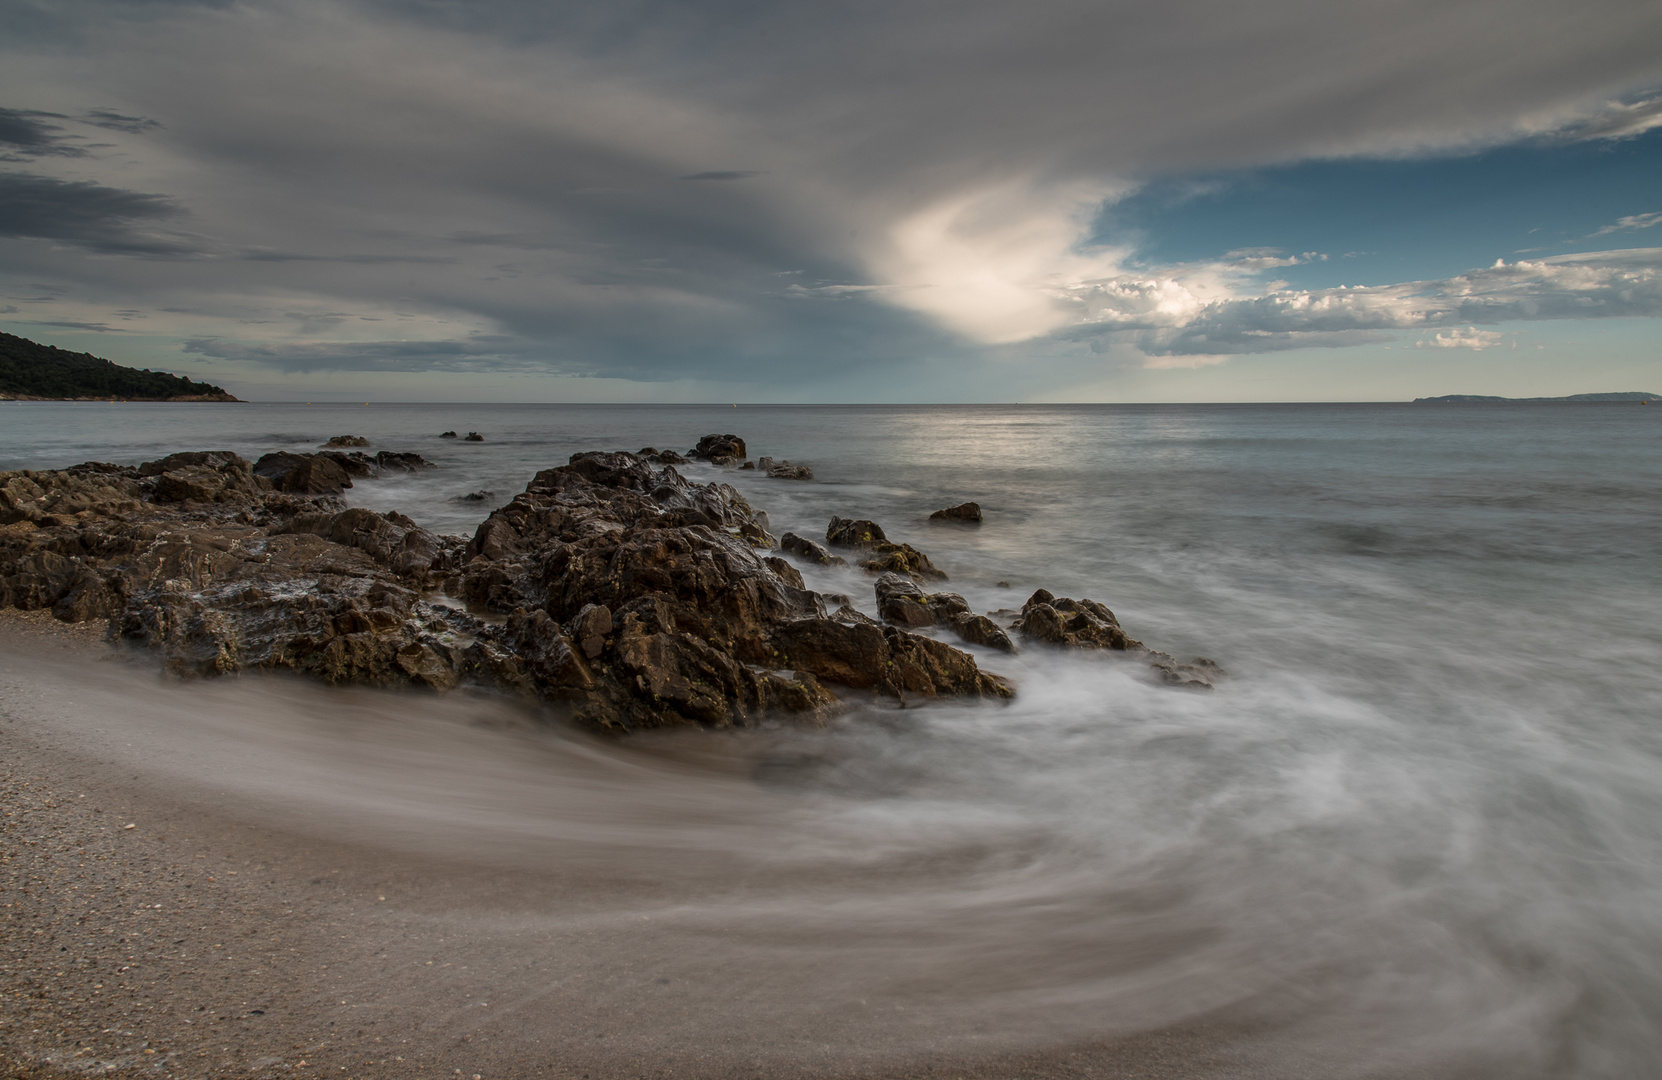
(31, 370)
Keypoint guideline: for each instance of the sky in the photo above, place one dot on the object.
(849, 201)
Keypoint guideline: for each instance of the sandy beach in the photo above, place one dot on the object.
(160, 929)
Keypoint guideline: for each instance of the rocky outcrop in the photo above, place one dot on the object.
(880, 555)
(1081, 624)
(784, 470)
(624, 593)
(967, 513)
(901, 602)
(719, 450)
(303, 474)
(804, 548)
(336, 441)
(1086, 624)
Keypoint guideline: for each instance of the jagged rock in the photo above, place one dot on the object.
(883, 658)
(719, 449)
(303, 474)
(355, 463)
(804, 548)
(391, 539)
(980, 630)
(1086, 624)
(964, 512)
(347, 440)
(885, 557)
(900, 601)
(662, 457)
(789, 574)
(1082, 624)
(633, 596)
(473, 436)
(854, 533)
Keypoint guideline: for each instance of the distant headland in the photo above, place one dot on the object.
(30, 371)
(1461, 399)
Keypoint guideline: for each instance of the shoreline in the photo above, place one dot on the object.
(187, 932)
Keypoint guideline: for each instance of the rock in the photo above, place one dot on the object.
(807, 549)
(719, 449)
(347, 440)
(632, 597)
(355, 462)
(789, 574)
(849, 533)
(1081, 624)
(662, 457)
(1003, 585)
(980, 630)
(473, 497)
(303, 474)
(900, 601)
(885, 557)
(447, 434)
(473, 436)
(1198, 674)
(387, 459)
(786, 471)
(748, 465)
(964, 512)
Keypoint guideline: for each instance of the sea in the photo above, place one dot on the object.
(1416, 829)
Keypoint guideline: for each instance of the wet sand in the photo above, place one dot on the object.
(160, 928)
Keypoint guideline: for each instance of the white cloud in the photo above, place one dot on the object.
(1469, 338)
(1171, 315)
(1632, 221)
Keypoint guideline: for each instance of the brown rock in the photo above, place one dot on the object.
(964, 512)
(303, 474)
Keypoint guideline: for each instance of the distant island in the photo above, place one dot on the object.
(1460, 399)
(30, 371)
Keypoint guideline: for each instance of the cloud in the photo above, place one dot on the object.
(1616, 120)
(1469, 338)
(1164, 317)
(114, 121)
(103, 219)
(486, 353)
(737, 174)
(1632, 221)
(511, 169)
(28, 134)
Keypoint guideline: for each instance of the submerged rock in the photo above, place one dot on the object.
(784, 470)
(347, 440)
(964, 512)
(447, 434)
(1086, 624)
(473, 436)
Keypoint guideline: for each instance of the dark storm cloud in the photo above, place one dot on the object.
(524, 185)
(102, 219)
(108, 118)
(27, 134)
